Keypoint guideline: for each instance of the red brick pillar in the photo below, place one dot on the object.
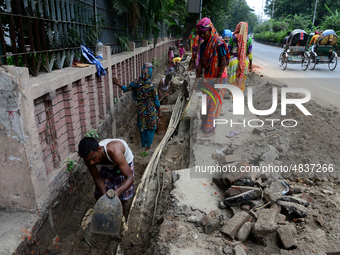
(84, 106)
(72, 115)
(58, 108)
(93, 99)
(107, 92)
(119, 77)
(101, 97)
(115, 87)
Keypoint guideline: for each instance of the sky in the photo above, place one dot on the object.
(257, 5)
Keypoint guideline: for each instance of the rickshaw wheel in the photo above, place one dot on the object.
(312, 61)
(305, 62)
(283, 60)
(333, 61)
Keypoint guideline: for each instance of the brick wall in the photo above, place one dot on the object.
(68, 103)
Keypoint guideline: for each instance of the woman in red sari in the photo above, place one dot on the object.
(213, 59)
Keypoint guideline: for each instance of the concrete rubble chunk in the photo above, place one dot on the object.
(244, 231)
(212, 225)
(209, 217)
(298, 190)
(239, 250)
(319, 219)
(286, 238)
(276, 207)
(233, 192)
(295, 208)
(241, 198)
(297, 200)
(307, 197)
(233, 225)
(230, 177)
(274, 191)
(192, 219)
(246, 188)
(245, 208)
(266, 222)
(227, 250)
(229, 159)
(280, 218)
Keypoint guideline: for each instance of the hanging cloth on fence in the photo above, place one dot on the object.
(87, 53)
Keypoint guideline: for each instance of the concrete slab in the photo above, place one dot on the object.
(14, 227)
(196, 193)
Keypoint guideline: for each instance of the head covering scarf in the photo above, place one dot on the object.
(241, 34)
(205, 25)
(210, 54)
(146, 75)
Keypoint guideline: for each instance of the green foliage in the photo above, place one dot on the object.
(70, 164)
(124, 42)
(332, 21)
(91, 36)
(92, 133)
(276, 30)
(144, 154)
(155, 62)
(235, 11)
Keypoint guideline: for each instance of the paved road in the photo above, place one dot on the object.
(323, 84)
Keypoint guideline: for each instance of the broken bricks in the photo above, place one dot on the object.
(266, 222)
(211, 222)
(274, 191)
(286, 238)
(230, 177)
(294, 208)
(233, 225)
(241, 198)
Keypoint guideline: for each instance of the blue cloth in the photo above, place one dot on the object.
(87, 53)
(171, 69)
(226, 33)
(147, 137)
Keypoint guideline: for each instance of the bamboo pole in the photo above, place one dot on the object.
(175, 117)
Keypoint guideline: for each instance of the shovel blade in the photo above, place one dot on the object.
(107, 216)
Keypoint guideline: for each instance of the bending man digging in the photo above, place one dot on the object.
(117, 169)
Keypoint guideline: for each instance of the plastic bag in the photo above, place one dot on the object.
(87, 53)
(191, 107)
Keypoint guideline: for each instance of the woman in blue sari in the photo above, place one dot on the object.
(144, 91)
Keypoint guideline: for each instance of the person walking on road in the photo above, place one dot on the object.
(144, 91)
(241, 55)
(213, 59)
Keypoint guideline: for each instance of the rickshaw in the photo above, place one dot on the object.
(295, 50)
(324, 50)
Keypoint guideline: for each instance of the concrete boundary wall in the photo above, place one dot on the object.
(53, 112)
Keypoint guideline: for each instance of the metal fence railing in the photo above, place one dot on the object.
(46, 34)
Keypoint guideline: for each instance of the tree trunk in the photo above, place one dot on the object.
(190, 24)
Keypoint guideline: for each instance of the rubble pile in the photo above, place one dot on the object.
(261, 205)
